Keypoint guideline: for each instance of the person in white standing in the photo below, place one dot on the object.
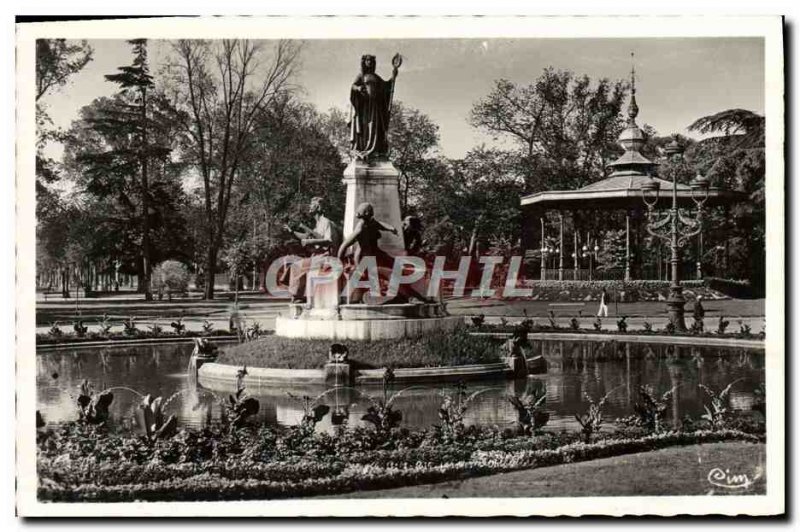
(603, 310)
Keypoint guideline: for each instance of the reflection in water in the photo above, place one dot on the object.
(575, 369)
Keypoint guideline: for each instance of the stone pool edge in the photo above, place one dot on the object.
(213, 374)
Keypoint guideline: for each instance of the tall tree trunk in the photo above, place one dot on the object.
(146, 263)
(211, 261)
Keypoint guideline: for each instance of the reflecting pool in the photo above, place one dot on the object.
(575, 369)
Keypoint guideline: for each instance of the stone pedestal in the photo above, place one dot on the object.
(376, 182)
(324, 299)
(368, 322)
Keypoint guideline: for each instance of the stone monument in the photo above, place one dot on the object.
(372, 227)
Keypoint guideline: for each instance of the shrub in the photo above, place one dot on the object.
(670, 328)
(722, 324)
(622, 324)
(130, 327)
(648, 327)
(598, 324)
(744, 330)
(171, 277)
(478, 320)
(717, 416)
(451, 412)
(55, 331)
(105, 325)
(239, 408)
(178, 326)
(93, 408)
(253, 332)
(592, 420)
(651, 408)
(151, 418)
(80, 329)
(156, 330)
(380, 414)
(574, 324)
(531, 415)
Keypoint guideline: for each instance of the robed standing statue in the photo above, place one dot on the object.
(371, 106)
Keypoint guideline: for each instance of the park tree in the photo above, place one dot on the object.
(564, 127)
(120, 153)
(222, 87)
(135, 81)
(172, 277)
(57, 60)
(413, 140)
(471, 204)
(294, 158)
(734, 158)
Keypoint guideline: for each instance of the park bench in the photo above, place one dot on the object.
(572, 308)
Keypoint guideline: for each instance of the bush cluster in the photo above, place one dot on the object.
(637, 290)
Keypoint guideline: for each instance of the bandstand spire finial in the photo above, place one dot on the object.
(633, 109)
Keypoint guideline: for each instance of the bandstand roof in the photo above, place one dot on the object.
(622, 192)
(623, 189)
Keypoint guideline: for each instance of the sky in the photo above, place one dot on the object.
(678, 80)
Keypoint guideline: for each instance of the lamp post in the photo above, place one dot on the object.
(591, 252)
(675, 229)
(547, 251)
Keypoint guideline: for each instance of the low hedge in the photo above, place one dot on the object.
(441, 348)
(70, 475)
(628, 291)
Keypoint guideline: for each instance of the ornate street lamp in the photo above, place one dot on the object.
(591, 252)
(675, 228)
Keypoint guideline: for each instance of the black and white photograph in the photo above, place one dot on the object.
(365, 266)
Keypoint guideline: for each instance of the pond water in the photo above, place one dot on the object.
(575, 369)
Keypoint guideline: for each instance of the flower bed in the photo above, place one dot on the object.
(441, 348)
(234, 460)
(76, 464)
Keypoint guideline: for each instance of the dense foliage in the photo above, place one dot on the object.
(442, 348)
(81, 462)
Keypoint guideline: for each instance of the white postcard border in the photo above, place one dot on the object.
(770, 28)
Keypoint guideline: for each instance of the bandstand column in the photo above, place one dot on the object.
(541, 251)
(575, 253)
(627, 245)
(561, 246)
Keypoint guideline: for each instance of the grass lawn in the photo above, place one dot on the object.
(671, 471)
(447, 348)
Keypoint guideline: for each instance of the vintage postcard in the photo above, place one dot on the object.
(355, 266)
